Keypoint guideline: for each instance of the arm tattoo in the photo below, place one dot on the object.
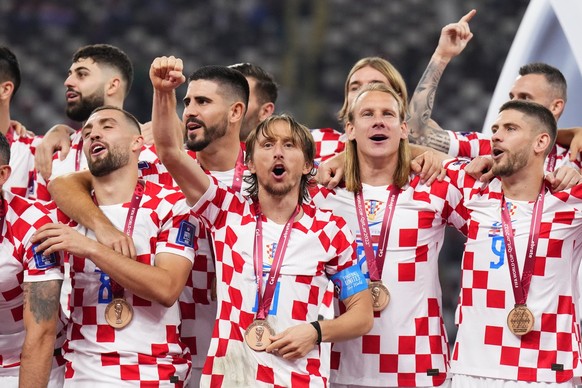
(423, 130)
(42, 298)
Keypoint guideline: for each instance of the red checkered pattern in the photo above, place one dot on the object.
(23, 218)
(473, 144)
(407, 346)
(149, 348)
(485, 347)
(328, 143)
(61, 167)
(320, 245)
(22, 178)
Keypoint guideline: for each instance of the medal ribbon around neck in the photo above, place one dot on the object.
(376, 261)
(265, 298)
(519, 284)
(116, 289)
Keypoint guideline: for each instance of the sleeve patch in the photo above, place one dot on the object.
(349, 282)
(44, 262)
(186, 234)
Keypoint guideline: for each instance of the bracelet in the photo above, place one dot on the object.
(317, 327)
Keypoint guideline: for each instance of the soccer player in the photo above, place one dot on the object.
(124, 325)
(517, 321)
(399, 225)
(22, 146)
(283, 319)
(30, 285)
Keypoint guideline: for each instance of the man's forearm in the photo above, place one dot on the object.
(423, 130)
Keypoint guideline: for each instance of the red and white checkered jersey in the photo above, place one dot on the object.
(196, 302)
(473, 144)
(22, 178)
(77, 156)
(485, 347)
(407, 346)
(19, 264)
(328, 143)
(148, 350)
(320, 245)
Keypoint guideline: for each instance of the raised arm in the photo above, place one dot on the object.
(453, 40)
(71, 193)
(166, 75)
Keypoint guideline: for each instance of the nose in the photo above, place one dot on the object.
(190, 111)
(278, 150)
(69, 81)
(379, 122)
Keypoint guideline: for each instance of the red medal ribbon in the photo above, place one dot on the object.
(116, 289)
(552, 159)
(521, 284)
(376, 261)
(265, 298)
(78, 155)
(239, 169)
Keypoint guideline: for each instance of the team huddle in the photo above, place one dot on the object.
(199, 251)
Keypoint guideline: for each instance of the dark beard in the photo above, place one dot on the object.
(113, 161)
(81, 110)
(210, 134)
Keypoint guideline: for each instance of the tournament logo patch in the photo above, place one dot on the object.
(373, 208)
(44, 262)
(186, 234)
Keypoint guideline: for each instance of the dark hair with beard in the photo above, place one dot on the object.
(552, 75)
(233, 85)
(266, 89)
(542, 115)
(4, 150)
(301, 138)
(116, 157)
(108, 55)
(9, 68)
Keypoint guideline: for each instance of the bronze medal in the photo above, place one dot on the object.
(257, 335)
(118, 313)
(520, 320)
(380, 295)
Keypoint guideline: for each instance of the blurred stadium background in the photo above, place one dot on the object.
(309, 46)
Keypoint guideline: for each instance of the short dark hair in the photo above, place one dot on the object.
(554, 77)
(9, 68)
(266, 88)
(301, 137)
(545, 118)
(108, 55)
(4, 149)
(233, 81)
(130, 118)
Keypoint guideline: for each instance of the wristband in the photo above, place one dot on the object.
(317, 327)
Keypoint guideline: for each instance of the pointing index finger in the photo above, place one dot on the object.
(467, 18)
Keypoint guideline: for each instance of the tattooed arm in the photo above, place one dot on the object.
(41, 308)
(453, 40)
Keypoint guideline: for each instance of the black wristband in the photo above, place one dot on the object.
(318, 329)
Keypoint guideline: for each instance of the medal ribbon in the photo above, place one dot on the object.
(78, 155)
(552, 159)
(239, 169)
(376, 261)
(116, 289)
(519, 284)
(265, 298)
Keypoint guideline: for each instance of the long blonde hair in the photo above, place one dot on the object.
(352, 165)
(387, 69)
